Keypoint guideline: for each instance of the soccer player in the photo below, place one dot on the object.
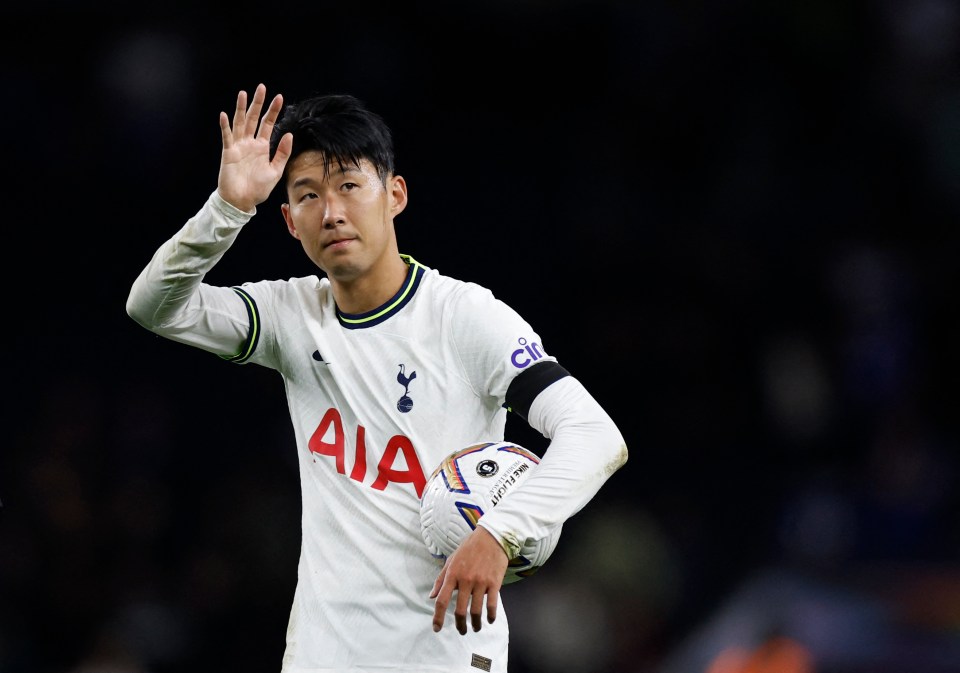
(388, 366)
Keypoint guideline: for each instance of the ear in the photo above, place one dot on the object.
(285, 210)
(397, 193)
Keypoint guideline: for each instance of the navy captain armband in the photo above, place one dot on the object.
(529, 383)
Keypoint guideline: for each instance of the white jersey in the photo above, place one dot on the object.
(377, 401)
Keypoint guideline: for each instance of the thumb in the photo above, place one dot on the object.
(437, 583)
(284, 147)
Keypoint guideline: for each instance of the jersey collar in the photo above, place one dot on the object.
(390, 307)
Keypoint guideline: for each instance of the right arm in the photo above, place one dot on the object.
(169, 297)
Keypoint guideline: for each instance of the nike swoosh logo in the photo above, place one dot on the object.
(319, 358)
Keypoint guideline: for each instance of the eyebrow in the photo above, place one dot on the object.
(340, 170)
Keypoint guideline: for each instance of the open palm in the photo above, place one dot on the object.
(247, 174)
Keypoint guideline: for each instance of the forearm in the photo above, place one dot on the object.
(586, 448)
(169, 297)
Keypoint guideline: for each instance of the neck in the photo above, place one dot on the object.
(370, 290)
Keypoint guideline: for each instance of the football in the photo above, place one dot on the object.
(470, 482)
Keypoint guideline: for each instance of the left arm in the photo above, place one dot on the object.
(586, 448)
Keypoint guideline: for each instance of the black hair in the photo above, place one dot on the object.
(341, 128)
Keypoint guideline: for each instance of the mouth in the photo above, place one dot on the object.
(337, 243)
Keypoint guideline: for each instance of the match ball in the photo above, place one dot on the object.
(470, 482)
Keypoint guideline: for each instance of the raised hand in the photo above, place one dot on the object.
(247, 174)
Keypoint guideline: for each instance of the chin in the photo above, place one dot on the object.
(344, 271)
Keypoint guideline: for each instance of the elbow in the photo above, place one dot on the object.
(614, 448)
(132, 311)
(136, 311)
(619, 458)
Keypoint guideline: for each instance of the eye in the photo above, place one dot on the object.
(307, 196)
(349, 186)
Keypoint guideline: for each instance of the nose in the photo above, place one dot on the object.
(332, 212)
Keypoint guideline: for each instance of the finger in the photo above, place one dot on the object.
(270, 118)
(440, 608)
(437, 583)
(240, 112)
(253, 114)
(476, 609)
(491, 606)
(460, 612)
(225, 134)
(442, 595)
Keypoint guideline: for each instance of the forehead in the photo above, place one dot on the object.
(318, 166)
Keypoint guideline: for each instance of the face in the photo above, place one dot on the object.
(343, 219)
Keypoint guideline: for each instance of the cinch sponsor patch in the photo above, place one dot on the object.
(480, 662)
(528, 353)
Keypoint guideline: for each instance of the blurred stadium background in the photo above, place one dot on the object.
(735, 222)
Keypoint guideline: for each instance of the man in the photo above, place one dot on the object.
(388, 366)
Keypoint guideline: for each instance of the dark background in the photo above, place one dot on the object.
(734, 222)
